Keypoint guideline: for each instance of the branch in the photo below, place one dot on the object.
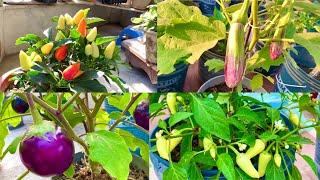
(69, 102)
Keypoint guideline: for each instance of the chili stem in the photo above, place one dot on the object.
(23, 175)
(12, 117)
(69, 102)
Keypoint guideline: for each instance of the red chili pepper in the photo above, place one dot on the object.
(61, 53)
(72, 72)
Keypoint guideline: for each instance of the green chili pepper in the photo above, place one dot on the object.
(256, 149)
(243, 161)
(277, 159)
(294, 119)
(264, 159)
(172, 101)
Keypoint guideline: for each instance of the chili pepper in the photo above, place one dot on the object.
(172, 101)
(294, 119)
(61, 23)
(46, 49)
(69, 20)
(255, 28)
(92, 34)
(35, 57)
(78, 16)
(181, 100)
(88, 50)
(264, 159)
(174, 141)
(61, 53)
(72, 72)
(162, 145)
(277, 159)
(256, 149)
(108, 52)
(25, 61)
(95, 50)
(59, 36)
(213, 152)
(243, 161)
(82, 28)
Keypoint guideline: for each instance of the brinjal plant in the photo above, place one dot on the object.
(230, 135)
(48, 147)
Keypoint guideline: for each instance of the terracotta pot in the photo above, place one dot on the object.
(140, 4)
(151, 47)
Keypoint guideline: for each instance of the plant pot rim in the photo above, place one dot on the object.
(220, 79)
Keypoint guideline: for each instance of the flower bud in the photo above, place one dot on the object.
(69, 20)
(95, 50)
(108, 52)
(88, 50)
(61, 23)
(92, 34)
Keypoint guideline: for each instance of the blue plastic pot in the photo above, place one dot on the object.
(128, 127)
(294, 79)
(207, 7)
(174, 81)
(317, 155)
(160, 165)
(21, 124)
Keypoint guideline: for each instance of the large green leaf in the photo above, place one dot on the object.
(184, 32)
(273, 172)
(307, 6)
(111, 151)
(311, 163)
(121, 101)
(226, 165)
(311, 41)
(209, 115)
(176, 172)
(102, 119)
(3, 134)
(134, 143)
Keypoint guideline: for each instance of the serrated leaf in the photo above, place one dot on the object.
(215, 65)
(111, 151)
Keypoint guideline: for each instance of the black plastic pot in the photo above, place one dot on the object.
(174, 81)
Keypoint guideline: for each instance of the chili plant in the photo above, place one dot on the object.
(47, 147)
(183, 37)
(71, 57)
(230, 135)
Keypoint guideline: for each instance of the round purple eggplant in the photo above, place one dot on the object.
(19, 105)
(141, 114)
(47, 155)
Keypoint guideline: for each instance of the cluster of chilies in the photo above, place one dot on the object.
(235, 59)
(61, 53)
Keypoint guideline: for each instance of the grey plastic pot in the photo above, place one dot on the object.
(220, 80)
(204, 72)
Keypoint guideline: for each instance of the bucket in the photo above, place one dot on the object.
(294, 79)
(160, 164)
(207, 7)
(174, 81)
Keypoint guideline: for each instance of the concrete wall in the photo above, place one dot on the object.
(18, 20)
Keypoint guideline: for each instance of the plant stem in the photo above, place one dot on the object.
(69, 102)
(224, 10)
(23, 175)
(59, 100)
(133, 99)
(12, 117)
(33, 109)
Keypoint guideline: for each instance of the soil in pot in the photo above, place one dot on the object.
(225, 88)
(83, 172)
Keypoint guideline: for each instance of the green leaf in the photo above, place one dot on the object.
(74, 34)
(104, 40)
(134, 143)
(238, 124)
(92, 20)
(273, 114)
(186, 158)
(102, 119)
(111, 151)
(215, 64)
(295, 173)
(311, 163)
(298, 139)
(176, 172)
(14, 145)
(310, 41)
(256, 82)
(187, 32)
(154, 107)
(194, 172)
(248, 115)
(88, 86)
(267, 136)
(3, 134)
(226, 165)
(121, 101)
(28, 39)
(69, 172)
(209, 115)
(307, 6)
(179, 116)
(273, 172)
